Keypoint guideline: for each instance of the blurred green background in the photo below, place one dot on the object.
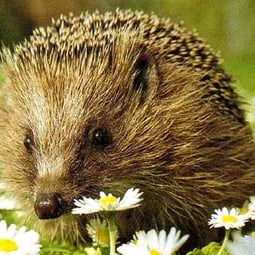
(227, 25)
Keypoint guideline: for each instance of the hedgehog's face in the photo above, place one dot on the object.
(82, 126)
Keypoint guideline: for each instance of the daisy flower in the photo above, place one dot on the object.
(244, 245)
(153, 243)
(244, 209)
(99, 233)
(251, 207)
(131, 199)
(228, 218)
(1, 187)
(6, 203)
(18, 242)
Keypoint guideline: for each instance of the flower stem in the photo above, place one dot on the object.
(112, 232)
(224, 242)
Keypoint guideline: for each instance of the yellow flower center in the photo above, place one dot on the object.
(8, 245)
(154, 252)
(229, 218)
(243, 210)
(107, 200)
(102, 236)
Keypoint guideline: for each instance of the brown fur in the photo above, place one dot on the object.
(176, 128)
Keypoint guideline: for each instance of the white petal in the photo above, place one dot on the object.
(6, 203)
(86, 206)
(174, 242)
(152, 239)
(132, 249)
(141, 238)
(131, 199)
(233, 212)
(102, 194)
(162, 240)
(169, 246)
(11, 231)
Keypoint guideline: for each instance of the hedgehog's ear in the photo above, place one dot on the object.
(146, 77)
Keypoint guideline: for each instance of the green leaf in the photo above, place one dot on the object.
(212, 249)
(195, 252)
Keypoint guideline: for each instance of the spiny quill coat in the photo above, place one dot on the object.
(108, 102)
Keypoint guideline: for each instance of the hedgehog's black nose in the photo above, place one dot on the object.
(49, 206)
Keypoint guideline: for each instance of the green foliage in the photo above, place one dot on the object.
(9, 216)
(61, 249)
(210, 249)
(242, 68)
(68, 249)
(195, 252)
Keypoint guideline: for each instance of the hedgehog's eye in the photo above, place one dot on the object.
(101, 138)
(29, 142)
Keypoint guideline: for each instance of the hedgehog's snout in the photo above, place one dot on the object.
(49, 206)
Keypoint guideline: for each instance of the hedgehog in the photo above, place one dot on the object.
(106, 102)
